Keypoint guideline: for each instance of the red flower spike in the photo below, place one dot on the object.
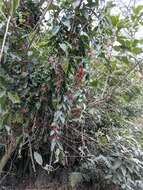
(24, 110)
(79, 73)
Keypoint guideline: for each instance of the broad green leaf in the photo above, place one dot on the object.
(2, 94)
(94, 83)
(57, 155)
(14, 98)
(55, 30)
(18, 118)
(115, 20)
(2, 118)
(8, 128)
(116, 43)
(48, 168)
(137, 50)
(84, 34)
(65, 64)
(14, 6)
(76, 3)
(53, 7)
(1, 4)
(38, 158)
(123, 169)
(67, 23)
(116, 165)
(63, 46)
(53, 144)
(138, 9)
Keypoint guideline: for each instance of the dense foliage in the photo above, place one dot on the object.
(70, 86)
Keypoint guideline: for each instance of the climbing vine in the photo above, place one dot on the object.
(70, 83)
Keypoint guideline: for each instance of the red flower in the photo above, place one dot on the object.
(24, 110)
(80, 73)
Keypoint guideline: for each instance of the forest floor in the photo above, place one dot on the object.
(43, 181)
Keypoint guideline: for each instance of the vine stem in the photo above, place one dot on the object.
(5, 36)
(31, 155)
(10, 149)
(38, 23)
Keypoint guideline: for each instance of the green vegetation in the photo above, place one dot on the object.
(70, 88)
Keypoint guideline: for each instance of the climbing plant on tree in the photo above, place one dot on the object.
(69, 84)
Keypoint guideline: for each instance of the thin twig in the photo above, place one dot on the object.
(100, 101)
(109, 95)
(105, 86)
(4, 39)
(85, 135)
(38, 23)
(127, 74)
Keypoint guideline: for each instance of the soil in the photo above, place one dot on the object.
(43, 181)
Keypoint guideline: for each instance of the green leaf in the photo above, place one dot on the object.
(57, 155)
(14, 6)
(18, 118)
(115, 20)
(48, 168)
(1, 4)
(2, 94)
(14, 98)
(123, 169)
(38, 158)
(94, 83)
(137, 50)
(53, 7)
(84, 34)
(67, 23)
(55, 29)
(116, 165)
(53, 144)
(76, 3)
(63, 46)
(137, 9)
